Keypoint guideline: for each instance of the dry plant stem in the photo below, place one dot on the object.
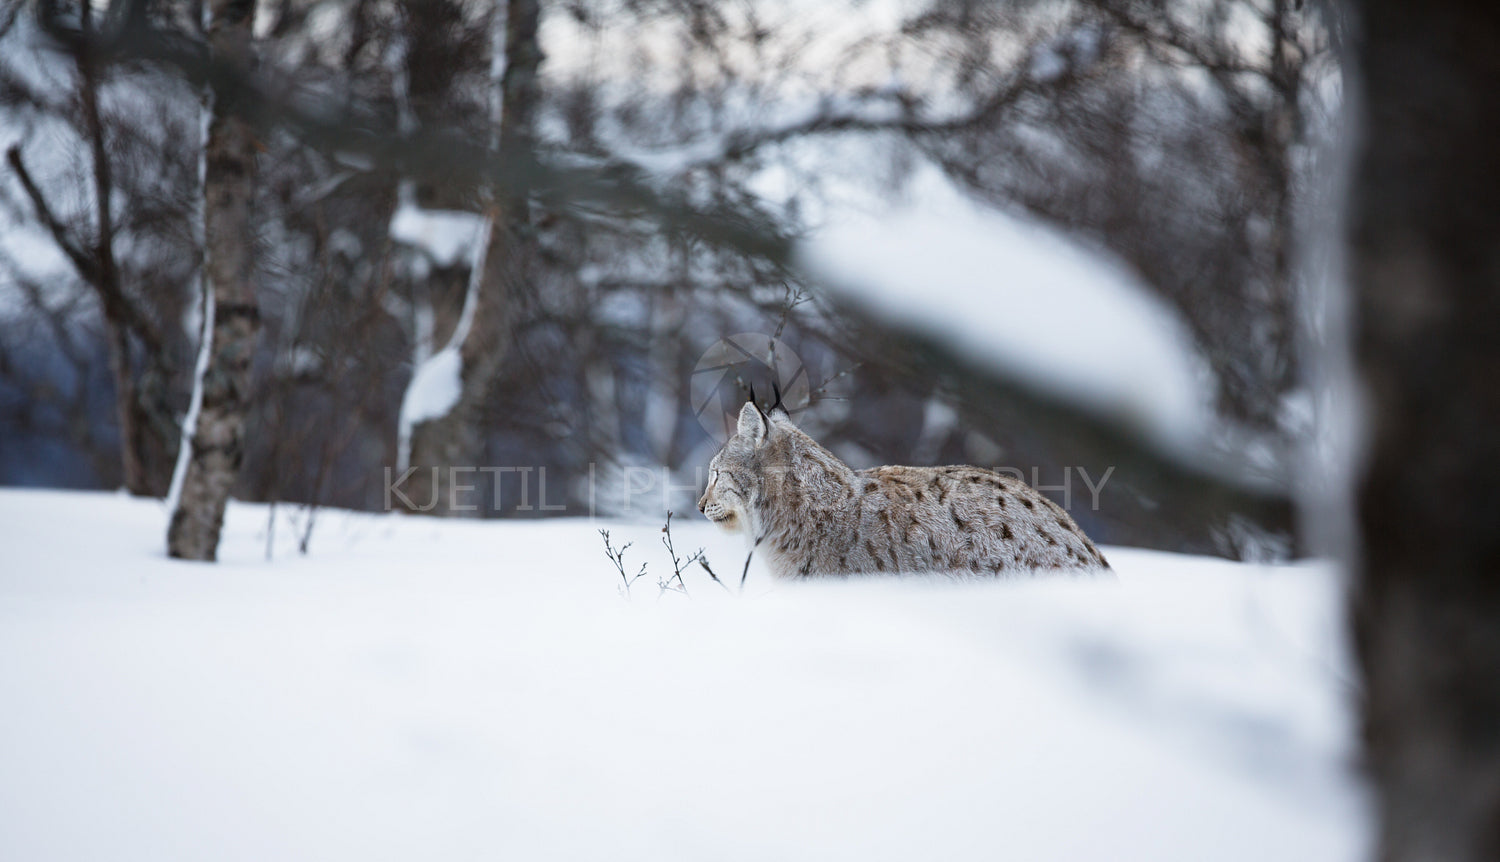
(312, 517)
(677, 562)
(618, 558)
(270, 530)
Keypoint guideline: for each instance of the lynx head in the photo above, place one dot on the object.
(737, 475)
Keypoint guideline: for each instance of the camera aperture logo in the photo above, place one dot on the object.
(733, 364)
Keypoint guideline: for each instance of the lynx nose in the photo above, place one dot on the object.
(703, 503)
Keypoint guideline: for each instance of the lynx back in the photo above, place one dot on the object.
(813, 515)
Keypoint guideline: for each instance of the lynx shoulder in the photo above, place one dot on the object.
(810, 514)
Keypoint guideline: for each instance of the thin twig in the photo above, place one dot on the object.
(830, 381)
(618, 558)
(677, 562)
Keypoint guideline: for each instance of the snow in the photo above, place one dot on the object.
(206, 316)
(445, 235)
(434, 389)
(200, 370)
(416, 688)
(1021, 298)
(438, 380)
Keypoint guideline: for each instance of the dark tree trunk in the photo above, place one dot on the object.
(106, 280)
(1425, 262)
(229, 183)
(145, 460)
(456, 439)
(141, 410)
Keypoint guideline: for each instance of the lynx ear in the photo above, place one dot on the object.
(752, 423)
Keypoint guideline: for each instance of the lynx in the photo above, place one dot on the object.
(810, 514)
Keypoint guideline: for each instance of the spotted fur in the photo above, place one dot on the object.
(810, 514)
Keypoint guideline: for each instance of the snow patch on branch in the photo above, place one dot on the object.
(433, 391)
(438, 381)
(443, 235)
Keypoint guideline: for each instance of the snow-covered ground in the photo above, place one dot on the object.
(416, 689)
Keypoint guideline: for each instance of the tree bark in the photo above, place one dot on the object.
(1425, 262)
(229, 183)
(456, 439)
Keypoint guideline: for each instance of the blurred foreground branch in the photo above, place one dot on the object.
(1197, 493)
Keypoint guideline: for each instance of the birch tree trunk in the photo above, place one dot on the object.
(229, 182)
(1425, 262)
(456, 439)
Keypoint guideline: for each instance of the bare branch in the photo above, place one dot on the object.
(898, 118)
(617, 557)
(116, 304)
(440, 154)
(86, 266)
(677, 562)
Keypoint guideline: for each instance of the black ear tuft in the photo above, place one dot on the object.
(776, 388)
